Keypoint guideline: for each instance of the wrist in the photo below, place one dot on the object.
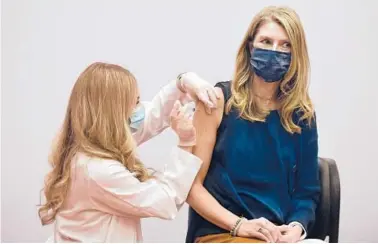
(187, 142)
(186, 148)
(229, 222)
(298, 228)
(236, 226)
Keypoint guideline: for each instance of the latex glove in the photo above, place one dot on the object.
(199, 89)
(182, 124)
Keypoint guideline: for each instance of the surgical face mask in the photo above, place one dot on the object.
(270, 65)
(137, 117)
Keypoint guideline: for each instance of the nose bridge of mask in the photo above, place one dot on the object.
(275, 45)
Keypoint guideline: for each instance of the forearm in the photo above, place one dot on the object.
(307, 189)
(305, 199)
(157, 112)
(303, 212)
(209, 208)
(163, 102)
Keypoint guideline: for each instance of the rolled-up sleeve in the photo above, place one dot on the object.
(115, 190)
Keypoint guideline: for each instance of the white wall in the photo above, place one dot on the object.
(46, 44)
(0, 120)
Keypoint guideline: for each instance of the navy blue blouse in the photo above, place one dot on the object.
(258, 169)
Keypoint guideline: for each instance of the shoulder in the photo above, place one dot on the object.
(225, 88)
(223, 84)
(215, 117)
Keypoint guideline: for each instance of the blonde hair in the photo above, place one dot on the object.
(293, 91)
(96, 123)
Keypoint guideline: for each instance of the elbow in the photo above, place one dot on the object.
(168, 214)
(194, 192)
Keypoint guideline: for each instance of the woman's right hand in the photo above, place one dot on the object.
(182, 124)
(261, 229)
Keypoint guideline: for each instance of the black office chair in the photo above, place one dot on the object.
(328, 210)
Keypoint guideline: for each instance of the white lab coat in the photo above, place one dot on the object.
(106, 202)
(158, 111)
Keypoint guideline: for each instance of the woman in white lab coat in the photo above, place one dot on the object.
(98, 190)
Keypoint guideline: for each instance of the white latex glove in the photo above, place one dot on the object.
(199, 89)
(182, 124)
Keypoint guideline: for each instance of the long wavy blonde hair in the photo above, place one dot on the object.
(96, 123)
(293, 91)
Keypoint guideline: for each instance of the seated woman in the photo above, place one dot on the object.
(259, 178)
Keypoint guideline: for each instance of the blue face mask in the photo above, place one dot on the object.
(270, 65)
(137, 117)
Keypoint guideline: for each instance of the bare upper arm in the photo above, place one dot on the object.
(206, 126)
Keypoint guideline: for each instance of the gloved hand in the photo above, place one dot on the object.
(182, 124)
(199, 89)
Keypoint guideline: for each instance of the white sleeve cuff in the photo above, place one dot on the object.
(304, 235)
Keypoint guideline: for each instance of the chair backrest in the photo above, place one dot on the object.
(335, 201)
(327, 212)
(321, 226)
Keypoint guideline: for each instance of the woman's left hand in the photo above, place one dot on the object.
(199, 89)
(290, 234)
